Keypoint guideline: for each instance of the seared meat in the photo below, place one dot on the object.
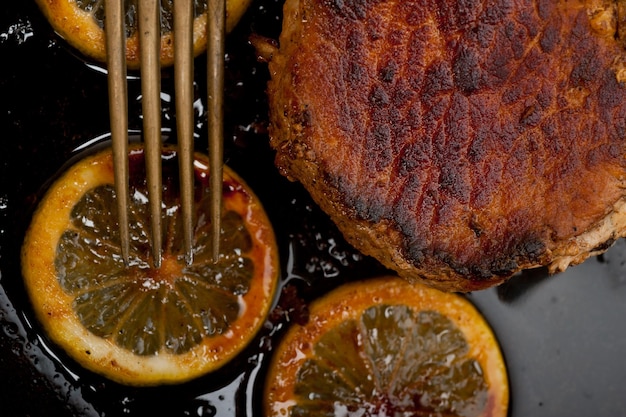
(458, 142)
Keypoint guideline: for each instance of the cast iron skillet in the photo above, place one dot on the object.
(563, 336)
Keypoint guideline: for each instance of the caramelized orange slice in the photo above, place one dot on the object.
(385, 347)
(138, 324)
(81, 23)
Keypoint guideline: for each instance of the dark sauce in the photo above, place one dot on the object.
(54, 108)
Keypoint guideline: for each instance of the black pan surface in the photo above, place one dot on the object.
(563, 336)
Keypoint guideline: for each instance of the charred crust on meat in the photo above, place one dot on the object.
(388, 71)
(474, 225)
(605, 245)
(460, 141)
(466, 70)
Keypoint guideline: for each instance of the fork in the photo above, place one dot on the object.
(149, 38)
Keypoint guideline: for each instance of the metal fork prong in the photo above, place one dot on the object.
(150, 44)
(118, 109)
(216, 22)
(183, 86)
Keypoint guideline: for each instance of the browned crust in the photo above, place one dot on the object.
(457, 145)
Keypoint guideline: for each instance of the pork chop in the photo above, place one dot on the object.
(458, 142)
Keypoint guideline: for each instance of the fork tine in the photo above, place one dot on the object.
(216, 23)
(183, 73)
(118, 109)
(150, 43)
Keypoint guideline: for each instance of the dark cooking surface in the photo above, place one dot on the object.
(563, 337)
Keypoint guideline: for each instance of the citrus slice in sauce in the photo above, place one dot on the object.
(137, 324)
(81, 24)
(384, 347)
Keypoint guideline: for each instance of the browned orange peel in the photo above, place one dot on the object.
(139, 325)
(387, 347)
(80, 23)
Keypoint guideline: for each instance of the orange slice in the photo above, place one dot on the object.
(137, 324)
(384, 347)
(81, 23)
